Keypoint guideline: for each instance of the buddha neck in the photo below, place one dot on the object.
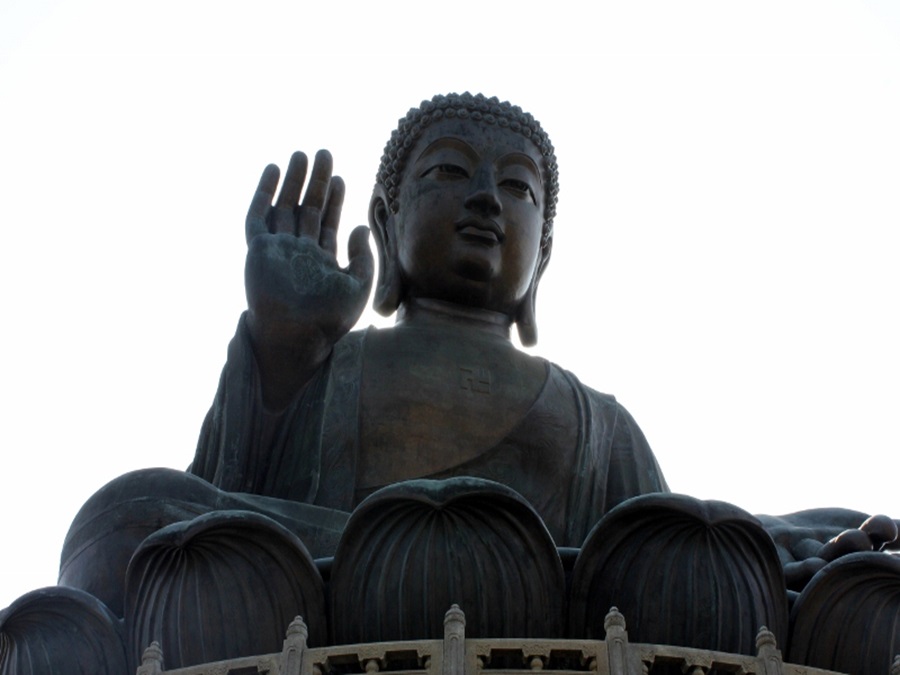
(428, 313)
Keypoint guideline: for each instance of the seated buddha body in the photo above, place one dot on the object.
(311, 417)
(462, 214)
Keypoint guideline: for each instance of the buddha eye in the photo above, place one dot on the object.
(519, 188)
(446, 171)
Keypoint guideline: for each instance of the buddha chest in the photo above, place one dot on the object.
(432, 400)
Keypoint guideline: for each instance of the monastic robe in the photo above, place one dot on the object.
(574, 455)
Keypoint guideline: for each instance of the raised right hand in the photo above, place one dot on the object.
(301, 301)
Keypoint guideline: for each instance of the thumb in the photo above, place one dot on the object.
(362, 263)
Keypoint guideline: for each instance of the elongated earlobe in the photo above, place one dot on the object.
(389, 289)
(525, 319)
(526, 323)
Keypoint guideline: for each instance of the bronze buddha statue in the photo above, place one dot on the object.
(312, 418)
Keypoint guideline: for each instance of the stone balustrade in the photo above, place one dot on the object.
(456, 655)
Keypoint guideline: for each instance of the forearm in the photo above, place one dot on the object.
(245, 447)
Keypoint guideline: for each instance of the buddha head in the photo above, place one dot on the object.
(463, 208)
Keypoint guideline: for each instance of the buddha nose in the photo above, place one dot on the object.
(484, 198)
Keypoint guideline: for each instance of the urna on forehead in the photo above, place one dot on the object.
(468, 108)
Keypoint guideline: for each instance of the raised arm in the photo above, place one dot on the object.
(300, 301)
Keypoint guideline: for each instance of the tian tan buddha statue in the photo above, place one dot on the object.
(405, 468)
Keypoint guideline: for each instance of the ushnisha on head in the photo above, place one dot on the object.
(455, 164)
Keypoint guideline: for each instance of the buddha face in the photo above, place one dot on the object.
(471, 214)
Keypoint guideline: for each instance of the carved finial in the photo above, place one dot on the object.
(614, 619)
(895, 666)
(298, 627)
(765, 639)
(455, 614)
(151, 660)
(153, 654)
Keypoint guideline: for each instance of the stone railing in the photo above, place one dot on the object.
(456, 655)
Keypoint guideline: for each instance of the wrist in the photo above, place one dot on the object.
(287, 357)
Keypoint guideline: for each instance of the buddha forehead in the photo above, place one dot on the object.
(474, 142)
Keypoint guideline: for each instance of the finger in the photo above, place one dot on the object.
(310, 212)
(289, 196)
(282, 219)
(332, 215)
(798, 574)
(262, 201)
(848, 541)
(881, 530)
(362, 263)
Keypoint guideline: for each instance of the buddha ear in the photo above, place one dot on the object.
(526, 323)
(389, 289)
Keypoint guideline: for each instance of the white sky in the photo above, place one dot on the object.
(726, 254)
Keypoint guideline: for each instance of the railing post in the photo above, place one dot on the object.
(151, 660)
(768, 653)
(454, 642)
(294, 646)
(617, 644)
